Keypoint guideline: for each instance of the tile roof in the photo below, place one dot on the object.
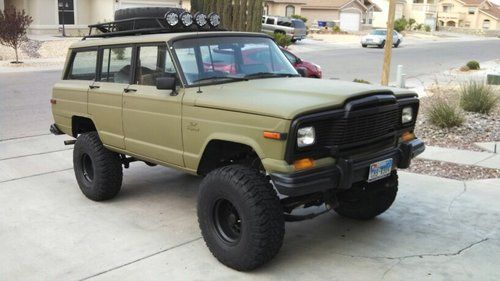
(493, 10)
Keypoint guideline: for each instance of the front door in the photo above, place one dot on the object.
(152, 117)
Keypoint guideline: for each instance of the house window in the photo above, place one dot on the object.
(418, 1)
(290, 10)
(66, 11)
(486, 24)
(430, 1)
(472, 10)
(447, 8)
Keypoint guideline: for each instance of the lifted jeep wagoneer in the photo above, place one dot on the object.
(266, 141)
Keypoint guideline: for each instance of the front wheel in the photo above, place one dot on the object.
(382, 44)
(240, 217)
(98, 170)
(365, 201)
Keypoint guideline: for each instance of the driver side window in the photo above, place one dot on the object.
(153, 62)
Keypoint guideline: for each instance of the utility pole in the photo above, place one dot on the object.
(388, 43)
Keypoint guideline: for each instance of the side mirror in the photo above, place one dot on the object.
(302, 71)
(165, 83)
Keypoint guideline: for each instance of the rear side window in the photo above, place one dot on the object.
(83, 66)
(270, 21)
(116, 65)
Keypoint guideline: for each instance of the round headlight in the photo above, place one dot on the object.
(186, 19)
(200, 19)
(407, 114)
(213, 19)
(172, 18)
(306, 136)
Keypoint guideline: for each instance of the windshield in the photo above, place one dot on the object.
(222, 59)
(378, 32)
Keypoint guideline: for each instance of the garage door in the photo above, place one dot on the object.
(349, 21)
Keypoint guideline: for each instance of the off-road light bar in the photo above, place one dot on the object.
(186, 19)
(172, 18)
(213, 19)
(200, 19)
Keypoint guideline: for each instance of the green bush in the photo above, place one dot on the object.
(400, 24)
(478, 97)
(427, 28)
(282, 40)
(474, 65)
(411, 22)
(445, 115)
(360, 81)
(299, 17)
(336, 28)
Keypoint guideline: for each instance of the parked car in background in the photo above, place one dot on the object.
(377, 37)
(294, 28)
(313, 70)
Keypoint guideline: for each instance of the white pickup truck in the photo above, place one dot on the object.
(294, 28)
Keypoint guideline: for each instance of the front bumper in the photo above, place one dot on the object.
(345, 172)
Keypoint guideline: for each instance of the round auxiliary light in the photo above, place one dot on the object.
(186, 19)
(172, 18)
(213, 19)
(200, 19)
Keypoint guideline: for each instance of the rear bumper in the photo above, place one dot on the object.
(345, 172)
(298, 37)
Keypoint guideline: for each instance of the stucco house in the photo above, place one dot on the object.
(473, 14)
(49, 15)
(350, 15)
(380, 17)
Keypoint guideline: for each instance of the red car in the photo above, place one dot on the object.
(313, 70)
(222, 60)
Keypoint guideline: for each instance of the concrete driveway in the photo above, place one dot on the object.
(438, 229)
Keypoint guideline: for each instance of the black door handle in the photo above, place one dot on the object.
(130, 90)
(94, 87)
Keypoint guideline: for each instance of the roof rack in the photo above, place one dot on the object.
(141, 26)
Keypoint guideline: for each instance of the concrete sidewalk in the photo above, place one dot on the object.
(464, 157)
(438, 229)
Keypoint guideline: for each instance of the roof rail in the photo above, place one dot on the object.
(140, 26)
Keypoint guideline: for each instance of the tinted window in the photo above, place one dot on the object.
(116, 64)
(270, 21)
(154, 62)
(83, 66)
(290, 57)
(284, 22)
(378, 32)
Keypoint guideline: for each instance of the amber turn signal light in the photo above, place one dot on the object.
(303, 163)
(407, 136)
(275, 135)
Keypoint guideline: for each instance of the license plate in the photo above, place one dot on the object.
(380, 169)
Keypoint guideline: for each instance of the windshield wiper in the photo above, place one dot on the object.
(270, 75)
(231, 78)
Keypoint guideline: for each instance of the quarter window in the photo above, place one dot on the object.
(116, 65)
(154, 62)
(83, 66)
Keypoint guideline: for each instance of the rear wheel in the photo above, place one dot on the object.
(397, 44)
(98, 170)
(365, 201)
(240, 217)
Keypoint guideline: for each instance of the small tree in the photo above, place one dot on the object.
(13, 26)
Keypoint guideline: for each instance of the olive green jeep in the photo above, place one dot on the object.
(228, 106)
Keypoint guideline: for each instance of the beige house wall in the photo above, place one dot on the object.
(2, 5)
(313, 15)
(279, 9)
(380, 18)
(459, 14)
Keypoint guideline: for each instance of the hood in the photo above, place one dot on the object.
(284, 97)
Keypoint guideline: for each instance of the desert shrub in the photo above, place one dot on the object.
(419, 26)
(336, 28)
(411, 22)
(478, 97)
(299, 17)
(282, 40)
(427, 28)
(360, 81)
(474, 65)
(400, 24)
(445, 115)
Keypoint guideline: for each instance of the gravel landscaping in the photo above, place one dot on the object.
(53, 51)
(451, 170)
(476, 128)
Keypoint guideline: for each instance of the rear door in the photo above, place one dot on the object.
(106, 94)
(152, 117)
